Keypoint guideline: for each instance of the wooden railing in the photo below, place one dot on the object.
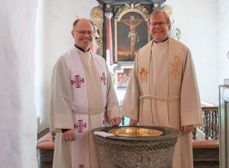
(210, 126)
(206, 146)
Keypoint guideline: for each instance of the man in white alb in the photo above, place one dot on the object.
(163, 89)
(82, 98)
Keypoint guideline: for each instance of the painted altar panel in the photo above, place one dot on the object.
(131, 35)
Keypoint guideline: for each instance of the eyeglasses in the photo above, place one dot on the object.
(82, 32)
(157, 23)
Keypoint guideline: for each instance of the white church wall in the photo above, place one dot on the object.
(17, 109)
(197, 22)
(223, 40)
(55, 18)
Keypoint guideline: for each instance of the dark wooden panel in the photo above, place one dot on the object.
(206, 157)
(45, 158)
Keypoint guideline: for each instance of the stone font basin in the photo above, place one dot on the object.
(136, 147)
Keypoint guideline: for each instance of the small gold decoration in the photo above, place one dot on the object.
(135, 132)
(175, 64)
(143, 74)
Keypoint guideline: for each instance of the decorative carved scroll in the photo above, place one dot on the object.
(97, 18)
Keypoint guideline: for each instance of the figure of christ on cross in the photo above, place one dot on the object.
(132, 23)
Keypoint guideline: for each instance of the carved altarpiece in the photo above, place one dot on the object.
(122, 26)
(121, 29)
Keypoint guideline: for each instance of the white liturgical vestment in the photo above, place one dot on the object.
(163, 92)
(82, 98)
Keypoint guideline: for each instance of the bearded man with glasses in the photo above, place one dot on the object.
(82, 98)
(163, 90)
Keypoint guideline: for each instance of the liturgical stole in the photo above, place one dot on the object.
(82, 115)
(146, 99)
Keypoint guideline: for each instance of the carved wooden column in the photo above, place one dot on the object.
(109, 43)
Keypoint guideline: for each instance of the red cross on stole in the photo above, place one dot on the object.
(77, 81)
(79, 125)
(103, 78)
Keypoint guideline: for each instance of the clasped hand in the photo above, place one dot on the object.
(186, 129)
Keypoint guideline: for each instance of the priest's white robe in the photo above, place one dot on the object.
(163, 91)
(70, 110)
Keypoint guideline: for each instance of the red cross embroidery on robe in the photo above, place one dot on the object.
(80, 125)
(77, 81)
(103, 78)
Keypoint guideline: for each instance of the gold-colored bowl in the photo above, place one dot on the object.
(135, 132)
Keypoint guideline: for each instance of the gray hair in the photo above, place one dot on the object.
(157, 11)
